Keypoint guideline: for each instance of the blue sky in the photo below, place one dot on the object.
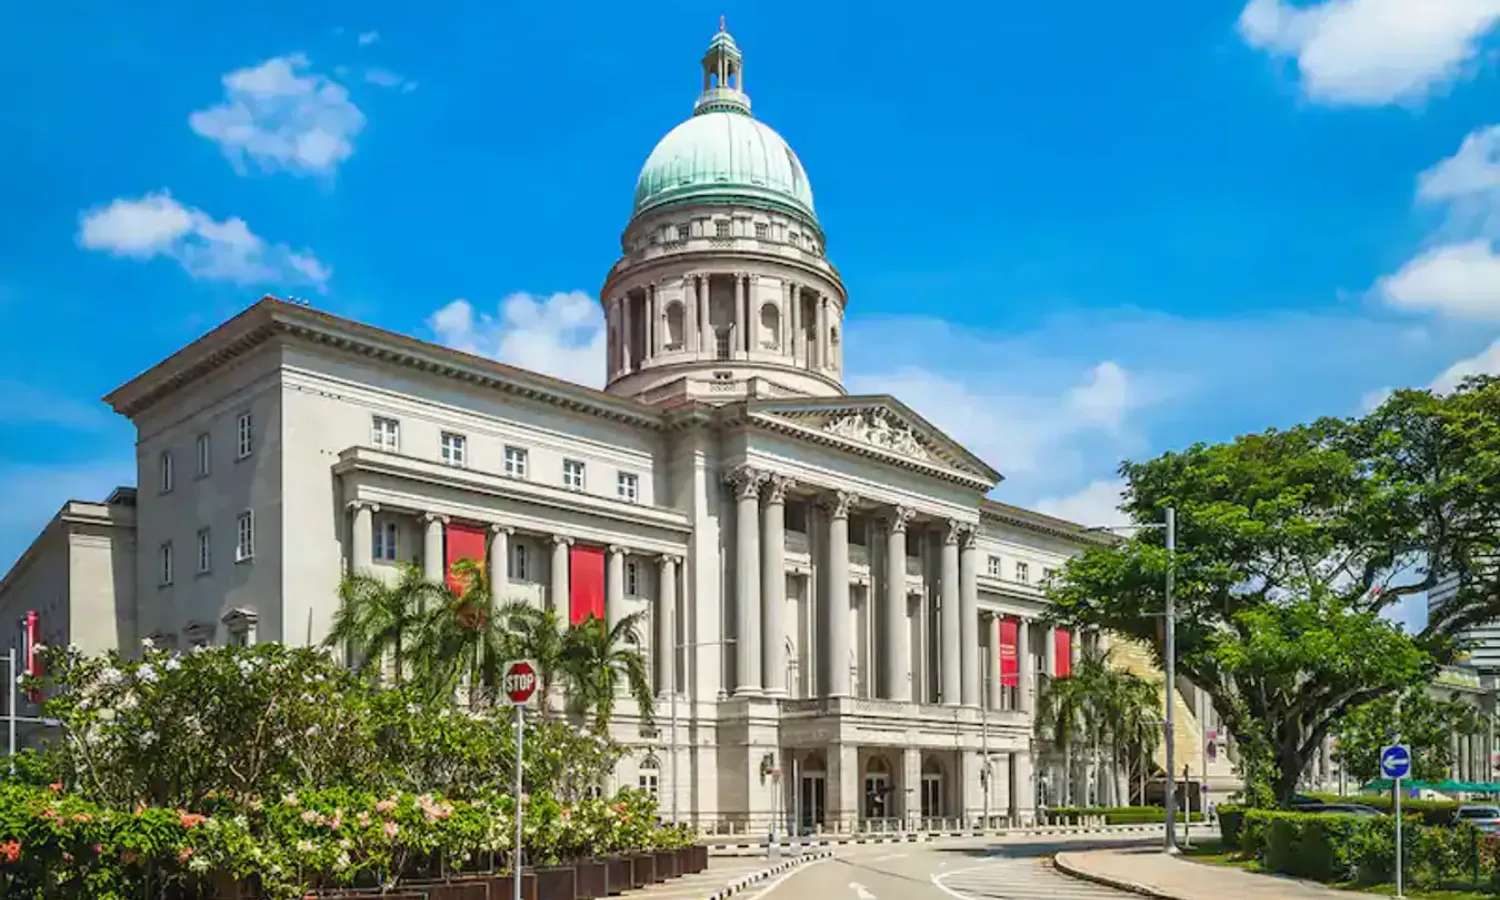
(1071, 234)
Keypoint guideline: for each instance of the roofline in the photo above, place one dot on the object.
(271, 316)
(65, 515)
(1042, 523)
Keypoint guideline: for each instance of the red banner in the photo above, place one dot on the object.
(1063, 648)
(1010, 670)
(585, 583)
(463, 542)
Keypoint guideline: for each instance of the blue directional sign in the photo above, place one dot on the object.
(1395, 761)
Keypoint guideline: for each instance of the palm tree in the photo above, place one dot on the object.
(1110, 707)
(596, 659)
(376, 617)
(463, 639)
(536, 634)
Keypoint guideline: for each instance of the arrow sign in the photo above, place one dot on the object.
(519, 681)
(1395, 761)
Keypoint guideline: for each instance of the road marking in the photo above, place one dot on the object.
(796, 870)
(860, 891)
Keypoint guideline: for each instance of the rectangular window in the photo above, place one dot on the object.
(682, 232)
(1023, 572)
(573, 474)
(721, 228)
(245, 436)
(629, 486)
(993, 567)
(205, 550)
(632, 579)
(1048, 575)
(515, 462)
(244, 543)
(455, 448)
(384, 545)
(518, 562)
(168, 473)
(385, 433)
(205, 454)
(762, 230)
(648, 783)
(166, 563)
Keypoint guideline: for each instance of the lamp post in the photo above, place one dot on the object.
(672, 740)
(1169, 655)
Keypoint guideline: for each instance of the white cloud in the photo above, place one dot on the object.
(1485, 362)
(219, 250)
(1474, 169)
(1370, 400)
(560, 335)
(1372, 52)
(387, 79)
(1097, 503)
(282, 117)
(1460, 280)
(366, 38)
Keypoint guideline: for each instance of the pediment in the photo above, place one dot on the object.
(877, 425)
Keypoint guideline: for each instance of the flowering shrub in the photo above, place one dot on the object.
(277, 767)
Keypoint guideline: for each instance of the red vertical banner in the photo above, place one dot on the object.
(1063, 649)
(31, 660)
(585, 583)
(1010, 670)
(462, 542)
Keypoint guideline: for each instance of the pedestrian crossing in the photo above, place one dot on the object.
(1020, 878)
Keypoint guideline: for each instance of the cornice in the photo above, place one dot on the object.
(271, 317)
(1042, 523)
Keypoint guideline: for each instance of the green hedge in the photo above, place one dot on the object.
(1231, 818)
(1336, 847)
(1431, 812)
(1119, 815)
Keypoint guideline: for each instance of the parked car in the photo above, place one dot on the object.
(1485, 818)
(1355, 809)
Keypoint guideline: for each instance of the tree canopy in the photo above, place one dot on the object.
(1293, 547)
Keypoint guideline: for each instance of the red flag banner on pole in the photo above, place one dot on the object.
(463, 542)
(1009, 663)
(1064, 652)
(585, 583)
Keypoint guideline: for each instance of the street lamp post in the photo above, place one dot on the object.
(1169, 654)
(672, 740)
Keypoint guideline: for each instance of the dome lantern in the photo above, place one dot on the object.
(723, 77)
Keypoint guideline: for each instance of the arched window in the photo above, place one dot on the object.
(675, 327)
(649, 778)
(770, 326)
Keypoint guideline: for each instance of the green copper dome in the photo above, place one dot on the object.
(722, 154)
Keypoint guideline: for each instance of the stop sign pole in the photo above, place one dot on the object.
(518, 686)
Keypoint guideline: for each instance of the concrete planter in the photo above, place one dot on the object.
(556, 883)
(592, 879)
(642, 869)
(620, 875)
(667, 865)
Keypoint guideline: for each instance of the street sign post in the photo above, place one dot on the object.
(1395, 764)
(518, 686)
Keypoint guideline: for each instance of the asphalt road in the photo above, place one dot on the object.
(977, 869)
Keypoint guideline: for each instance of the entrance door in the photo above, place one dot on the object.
(814, 794)
(877, 794)
(932, 795)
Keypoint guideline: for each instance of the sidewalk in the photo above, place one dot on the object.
(724, 877)
(1146, 870)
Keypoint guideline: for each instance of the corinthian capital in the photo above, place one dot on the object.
(838, 502)
(958, 532)
(745, 480)
(776, 487)
(897, 517)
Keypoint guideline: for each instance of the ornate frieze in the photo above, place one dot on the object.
(875, 428)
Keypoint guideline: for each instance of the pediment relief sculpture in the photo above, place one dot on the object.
(873, 427)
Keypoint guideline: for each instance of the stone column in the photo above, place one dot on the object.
(839, 627)
(666, 628)
(499, 561)
(614, 585)
(968, 612)
(705, 323)
(820, 339)
(625, 349)
(432, 547)
(783, 312)
(752, 314)
(794, 316)
(743, 326)
(558, 583)
(1049, 652)
(746, 482)
(773, 585)
(993, 666)
(1023, 666)
(361, 537)
(652, 320)
(895, 627)
(690, 311)
(911, 786)
(950, 617)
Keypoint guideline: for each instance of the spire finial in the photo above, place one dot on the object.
(721, 21)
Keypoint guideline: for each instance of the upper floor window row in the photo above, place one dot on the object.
(244, 430)
(385, 433)
(455, 449)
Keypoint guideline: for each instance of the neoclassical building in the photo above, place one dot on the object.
(842, 623)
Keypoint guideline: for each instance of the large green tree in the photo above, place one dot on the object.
(1292, 545)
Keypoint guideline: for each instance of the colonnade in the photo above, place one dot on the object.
(497, 561)
(787, 335)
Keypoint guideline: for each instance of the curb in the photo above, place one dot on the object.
(739, 884)
(1120, 884)
(748, 847)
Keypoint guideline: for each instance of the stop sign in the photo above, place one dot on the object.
(519, 681)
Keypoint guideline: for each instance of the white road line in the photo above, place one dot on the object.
(794, 871)
(860, 891)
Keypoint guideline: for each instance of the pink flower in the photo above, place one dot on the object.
(385, 806)
(390, 830)
(185, 854)
(311, 817)
(189, 820)
(10, 852)
(55, 787)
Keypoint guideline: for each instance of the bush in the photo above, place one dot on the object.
(1334, 847)
(1429, 812)
(1231, 817)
